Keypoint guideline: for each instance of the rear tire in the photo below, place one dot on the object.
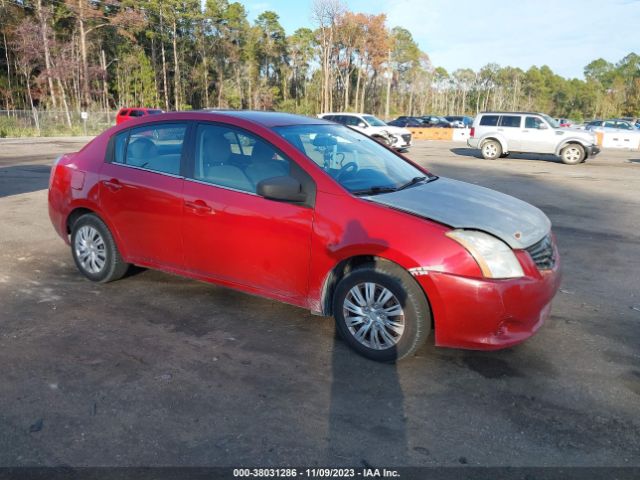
(572, 154)
(491, 149)
(381, 312)
(94, 251)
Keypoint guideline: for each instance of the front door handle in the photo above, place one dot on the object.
(113, 184)
(198, 206)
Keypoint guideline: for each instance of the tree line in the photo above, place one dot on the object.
(75, 55)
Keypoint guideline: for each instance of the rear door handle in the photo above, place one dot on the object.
(113, 184)
(198, 206)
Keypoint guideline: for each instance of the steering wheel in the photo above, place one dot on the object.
(350, 167)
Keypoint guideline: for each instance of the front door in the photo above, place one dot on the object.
(230, 233)
(141, 193)
(538, 136)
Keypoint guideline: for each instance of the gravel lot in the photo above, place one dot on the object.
(161, 370)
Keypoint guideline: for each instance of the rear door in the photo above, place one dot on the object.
(141, 192)
(233, 235)
(509, 127)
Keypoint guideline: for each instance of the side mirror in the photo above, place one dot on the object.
(285, 189)
(362, 125)
(543, 126)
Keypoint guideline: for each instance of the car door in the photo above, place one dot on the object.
(141, 192)
(537, 136)
(230, 233)
(509, 128)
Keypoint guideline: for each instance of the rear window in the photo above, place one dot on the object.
(489, 120)
(136, 113)
(154, 147)
(510, 121)
(124, 113)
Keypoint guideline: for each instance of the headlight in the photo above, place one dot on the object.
(495, 258)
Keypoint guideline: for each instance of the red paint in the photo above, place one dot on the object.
(285, 251)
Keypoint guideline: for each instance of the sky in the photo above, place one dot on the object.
(566, 35)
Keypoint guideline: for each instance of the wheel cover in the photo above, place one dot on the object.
(490, 149)
(90, 249)
(373, 315)
(572, 154)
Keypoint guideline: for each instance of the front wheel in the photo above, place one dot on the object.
(94, 250)
(381, 312)
(491, 150)
(572, 154)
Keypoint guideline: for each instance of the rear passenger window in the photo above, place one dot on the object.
(232, 158)
(155, 147)
(489, 120)
(510, 121)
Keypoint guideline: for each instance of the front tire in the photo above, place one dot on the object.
(572, 154)
(491, 149)
(381, 312)
(95, 252)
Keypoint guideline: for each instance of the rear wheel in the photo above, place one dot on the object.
(491, 149)
(572, 154)
(94, 250)
(381, 312)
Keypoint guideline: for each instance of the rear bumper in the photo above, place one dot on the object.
(485, 314)
(472, 142)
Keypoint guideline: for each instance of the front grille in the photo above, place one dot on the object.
(406, 137)
(543, 254)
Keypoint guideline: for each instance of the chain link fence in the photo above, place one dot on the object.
(48, 123)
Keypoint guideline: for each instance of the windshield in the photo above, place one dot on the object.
(550, 121)
(373, 121)
(355, 161)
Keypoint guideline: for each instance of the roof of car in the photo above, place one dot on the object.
(269, 119)
(353, 114)
(511, 113)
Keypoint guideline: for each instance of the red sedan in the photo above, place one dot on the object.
(314, 214)
(125, 114)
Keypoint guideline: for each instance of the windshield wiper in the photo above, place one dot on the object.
(374, 190)
(416, 180)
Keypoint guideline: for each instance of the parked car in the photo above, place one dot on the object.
(563, 122)
(459, 121)
(125, 114)
(390, 135)
(610, 125)
(435, 121)
(407, 122)
(311, 213)
(497, 134)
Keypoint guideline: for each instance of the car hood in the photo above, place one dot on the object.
(463, 205)
(396, 130)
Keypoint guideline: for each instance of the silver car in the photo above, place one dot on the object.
(497, 134)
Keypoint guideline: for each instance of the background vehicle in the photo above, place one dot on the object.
(459, 121)
(407, 122)
(610, 125)
(125, 114)
(497, 134)
(435, 121)
(563, 122)
(314, 214)
(390, 135)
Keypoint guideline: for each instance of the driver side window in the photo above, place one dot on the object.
(533, 122)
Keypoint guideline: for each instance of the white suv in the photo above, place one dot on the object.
(395, 137)
(497, 134)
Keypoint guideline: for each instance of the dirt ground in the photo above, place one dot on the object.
(161, 370)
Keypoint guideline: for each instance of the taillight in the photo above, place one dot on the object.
(472, 132)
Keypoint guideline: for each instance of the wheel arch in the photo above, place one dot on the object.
(570, 141)
(349, 264)
(83, 209)
(496, 138)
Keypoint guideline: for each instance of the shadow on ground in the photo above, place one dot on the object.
(19, 179)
